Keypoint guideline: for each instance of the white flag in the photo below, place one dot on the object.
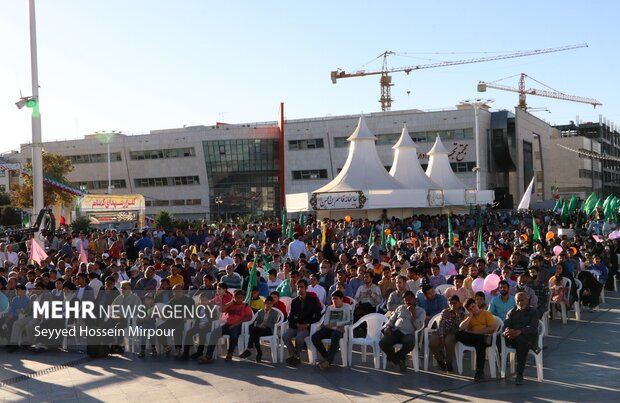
(527, 196)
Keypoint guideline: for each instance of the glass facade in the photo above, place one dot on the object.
(243, 177)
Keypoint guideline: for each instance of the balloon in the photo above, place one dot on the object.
(347, 218)
(557, 249)
(574, 250)
(550, 235)
(250, 264)
(477, 284)
(491, 282)
(524, 237)
(388, 231)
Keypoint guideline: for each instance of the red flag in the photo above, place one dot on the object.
(36, 252)
(83, 256)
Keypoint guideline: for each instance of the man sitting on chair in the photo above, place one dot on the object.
(338, 315)
(406, 320)
(474, 330)
(521, 332)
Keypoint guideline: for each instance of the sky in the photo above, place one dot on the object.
(141, 65)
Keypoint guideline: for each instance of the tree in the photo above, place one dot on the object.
(9, 217)
(54, 166)
(81, 224)
(5, 199)
(163, 219)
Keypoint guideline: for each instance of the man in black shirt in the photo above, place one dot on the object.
(521, 331)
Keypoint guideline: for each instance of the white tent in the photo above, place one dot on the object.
(363, 169)
(439, 169)
(406, 167)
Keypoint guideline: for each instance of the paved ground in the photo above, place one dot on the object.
(582, 362)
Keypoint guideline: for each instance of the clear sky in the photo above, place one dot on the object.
(140, 65)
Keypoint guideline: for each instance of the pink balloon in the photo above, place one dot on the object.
(477, 284)
(557, 249)
(491, 282)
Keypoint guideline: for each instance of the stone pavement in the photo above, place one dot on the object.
(582, 361)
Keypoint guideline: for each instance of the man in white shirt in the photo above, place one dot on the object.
(10, 255)
(446, 268)
(296, 248)
(223, 260)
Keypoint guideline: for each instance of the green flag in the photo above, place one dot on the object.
(536, 231)
(564, 215)
(284, 221)
(480, 246)
(302, 221)
(251, 281)
(572, 205)
(291, 230)
(599, 203)
(586, 203)
(383, 238)
(371, 238)
(392, 240)
(606, 202)
(558, 204)
(450, 234)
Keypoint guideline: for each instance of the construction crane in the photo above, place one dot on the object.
(482, 87)
(386, 78)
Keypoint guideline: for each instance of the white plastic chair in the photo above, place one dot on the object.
(374, 323)
(431, 327)
(538, 357)
(287, 301)
(566, 283)
(415, 353)
(441, 289)
(272, 340)
(491, 352)
(577, 303)
(313, 355)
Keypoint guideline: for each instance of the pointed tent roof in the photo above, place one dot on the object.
(406, 167)
(439, 169)
(363, 169)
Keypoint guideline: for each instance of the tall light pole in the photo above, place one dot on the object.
(106, 138)
(476, 104)
(33, 102)
(218, 201)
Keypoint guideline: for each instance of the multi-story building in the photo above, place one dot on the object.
(596, 148)
(226, 170)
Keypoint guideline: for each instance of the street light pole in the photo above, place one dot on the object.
(109, 172)
(476, 104)
(37, 145)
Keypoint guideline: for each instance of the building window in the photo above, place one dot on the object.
(163, 153)
(2, 173)
(94, 158)
(309, 144)
(462, 166)
(96, 185)
(340, 142)
(172, 181)
(430, 136)
(387, 139)
(310, 174)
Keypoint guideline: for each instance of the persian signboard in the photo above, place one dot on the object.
(338, 200)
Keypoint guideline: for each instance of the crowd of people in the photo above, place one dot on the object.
(318, 278)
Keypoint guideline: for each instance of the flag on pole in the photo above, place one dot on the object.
(392, 241)
(586, 205)
(291, 230)
(450, 233)
(251, 281)
(383, 238)
(536, 231)
(564, 215)
(83, 255)
(527, 197)
(36, 252)
(284, 220)
(572, 204)
(480, 248)
(371, 237)
(302, 221)
(323, 235)
(558, 205)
